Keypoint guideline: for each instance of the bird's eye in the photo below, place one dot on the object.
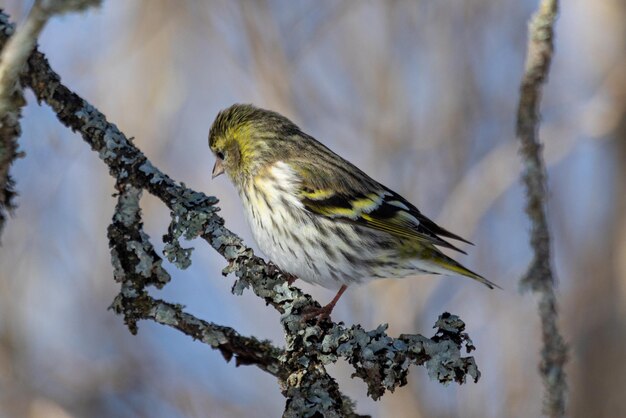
(220, 155)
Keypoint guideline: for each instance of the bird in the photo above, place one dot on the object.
(317, 216)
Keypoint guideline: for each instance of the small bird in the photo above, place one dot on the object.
(317, 216)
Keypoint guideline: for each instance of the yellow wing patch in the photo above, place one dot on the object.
(370, 210)
(317, 194)
(328, 203)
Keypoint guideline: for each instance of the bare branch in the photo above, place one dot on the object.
(540, 277)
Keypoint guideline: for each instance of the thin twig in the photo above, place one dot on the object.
(540, 277)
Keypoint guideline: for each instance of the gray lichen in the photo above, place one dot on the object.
(186, 223)
(164, 315)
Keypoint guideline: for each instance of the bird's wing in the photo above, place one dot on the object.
(349, 195)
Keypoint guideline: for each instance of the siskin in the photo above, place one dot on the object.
(317, 216)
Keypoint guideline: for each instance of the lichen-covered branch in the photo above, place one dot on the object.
(137, 265)
(383, 362)
(380, 360)
(540, 277)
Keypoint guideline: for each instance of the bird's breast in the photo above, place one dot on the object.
(316, 249)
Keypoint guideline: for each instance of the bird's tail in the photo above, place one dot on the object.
(441, 263)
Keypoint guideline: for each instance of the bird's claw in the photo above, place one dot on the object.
(290, 278)
(320, 313)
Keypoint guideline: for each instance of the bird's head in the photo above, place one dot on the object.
(244, 139)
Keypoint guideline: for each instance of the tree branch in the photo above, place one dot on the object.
(381, 361)
(540, 277)
(137, 265)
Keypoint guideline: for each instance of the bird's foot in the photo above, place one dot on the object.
(325, 311)
(290, 278)
(319, 313)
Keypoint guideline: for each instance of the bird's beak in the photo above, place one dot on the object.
(218, 168)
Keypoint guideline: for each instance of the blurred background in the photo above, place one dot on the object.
(422, 95)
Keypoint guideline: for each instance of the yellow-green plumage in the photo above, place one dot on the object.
(316, 215)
